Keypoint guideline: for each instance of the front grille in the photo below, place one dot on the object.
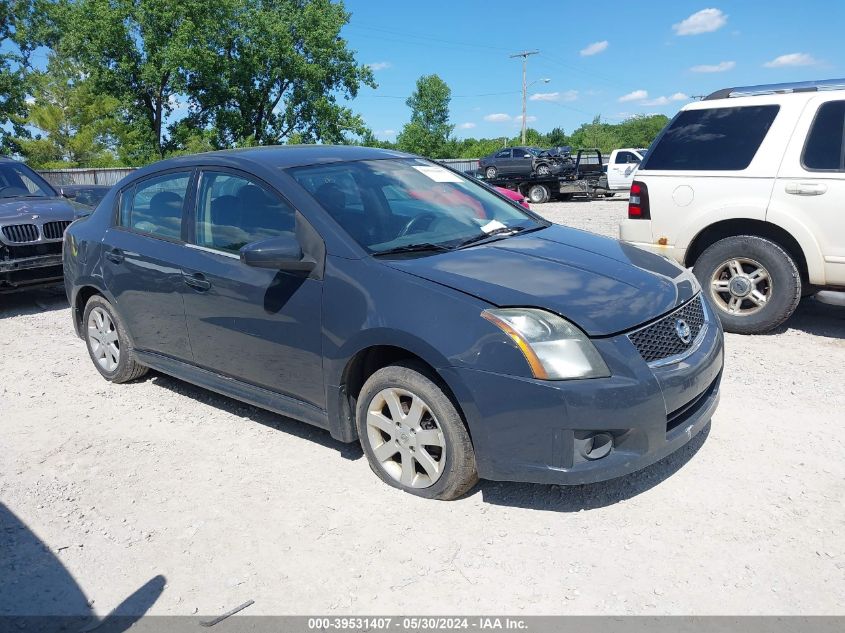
(55, 230)
(660, 339)
(21, 233)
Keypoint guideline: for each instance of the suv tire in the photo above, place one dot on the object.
(101, 326)
(394, 448)
(744, 256)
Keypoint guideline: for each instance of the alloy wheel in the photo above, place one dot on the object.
(741, 286)
(406, 438)
(103, 340)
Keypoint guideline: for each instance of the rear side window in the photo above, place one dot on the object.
(714, 139)
(506, 153)
(154, 206)
(825, 148)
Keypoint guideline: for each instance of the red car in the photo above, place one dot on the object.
(513, 195)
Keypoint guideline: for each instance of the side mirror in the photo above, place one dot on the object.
(276, 253)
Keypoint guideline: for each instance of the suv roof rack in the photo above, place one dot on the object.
(768, 89)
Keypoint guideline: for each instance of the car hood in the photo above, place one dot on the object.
(600, 284)
(21, 210)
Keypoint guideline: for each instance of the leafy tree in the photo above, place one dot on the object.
(557, 138)
(76, 125)
(275, 71)
(14, 62)
(429, 129)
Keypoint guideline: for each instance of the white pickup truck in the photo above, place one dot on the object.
(621, 167)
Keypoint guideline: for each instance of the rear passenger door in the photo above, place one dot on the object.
(140, 262)
(810, 188)
(257, 325)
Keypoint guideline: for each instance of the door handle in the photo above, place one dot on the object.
(115, 255)
(805, 188)
(196, 281)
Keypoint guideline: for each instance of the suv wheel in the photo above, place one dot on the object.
(490, 173)
(108, 344)
(413, 435)
(754, 284)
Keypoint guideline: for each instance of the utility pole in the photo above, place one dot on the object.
(524, 55)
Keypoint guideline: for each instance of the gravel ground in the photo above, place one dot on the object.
(194, 503)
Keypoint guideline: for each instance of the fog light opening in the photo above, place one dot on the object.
(597, 446)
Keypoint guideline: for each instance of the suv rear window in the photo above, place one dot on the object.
(712, 139)
(825, 149)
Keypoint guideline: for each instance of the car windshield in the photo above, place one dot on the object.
(410, 204)
(17, 180)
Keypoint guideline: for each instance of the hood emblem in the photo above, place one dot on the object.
(683, 331)
(34, 216)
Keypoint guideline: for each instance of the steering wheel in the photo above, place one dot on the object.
(415, 221)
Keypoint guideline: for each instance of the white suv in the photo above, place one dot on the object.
(748, 187)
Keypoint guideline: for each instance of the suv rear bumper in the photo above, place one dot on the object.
(639, 233)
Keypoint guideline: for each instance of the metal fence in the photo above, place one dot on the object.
(82, 176)
(111, 175)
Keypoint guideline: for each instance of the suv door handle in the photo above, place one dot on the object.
(115, 255)
(805, 188)
(196, 281)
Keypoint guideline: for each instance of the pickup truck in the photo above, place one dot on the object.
(621, 167)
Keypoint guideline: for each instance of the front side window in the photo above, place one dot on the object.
(154, 206)
(233, 211)
(393, 203)
(18, 180)
(625, 158)
(825, 147)
(520, 153)
(712, 139)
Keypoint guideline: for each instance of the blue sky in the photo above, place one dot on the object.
(610, 58)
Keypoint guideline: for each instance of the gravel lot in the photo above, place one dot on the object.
(194, 503)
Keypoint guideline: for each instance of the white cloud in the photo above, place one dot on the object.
(529, 119)
(636, 95)
(595, 48)
(498, 117)
(713, 68)
(792, 59)
(466, 126)
(376, 66)
(704, 21)
(385, 133)
(661, 101)
(176, 102)
(569, 95)
(30, 100)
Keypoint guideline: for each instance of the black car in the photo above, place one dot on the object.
(33, 219)
(86, 195)
(519, 161)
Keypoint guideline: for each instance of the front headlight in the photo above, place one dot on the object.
(554, 348)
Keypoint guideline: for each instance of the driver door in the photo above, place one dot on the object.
(257, 325)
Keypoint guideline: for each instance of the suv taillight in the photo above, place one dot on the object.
(638, 208)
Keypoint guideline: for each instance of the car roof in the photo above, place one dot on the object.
(284, 156)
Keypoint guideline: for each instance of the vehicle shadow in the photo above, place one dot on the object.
(552, 498)
(40, 594)
(351, 451)
(817, 318)
(33, 301)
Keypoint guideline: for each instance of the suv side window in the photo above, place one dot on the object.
(825, 146)
(233, 211)
(154, 206)
(625, 158)
(505, 153)
(712, 139)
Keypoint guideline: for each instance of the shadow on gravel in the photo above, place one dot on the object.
(275, 421)
(40, 594)
(590, 496)
(33, 301)
(817, 318)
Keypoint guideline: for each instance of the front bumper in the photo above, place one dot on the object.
(535, 431)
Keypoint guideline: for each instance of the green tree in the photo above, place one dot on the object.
(429, 129)
(77, 126)
(275, 71)
(14, 67)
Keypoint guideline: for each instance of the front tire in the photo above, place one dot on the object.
(544, 170)
(753, 282)
(108, 345)
(412, 434)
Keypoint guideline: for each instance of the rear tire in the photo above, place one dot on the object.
(538, 194)
(108, 344)
(490, 173)
(753, 282)
(413, 435)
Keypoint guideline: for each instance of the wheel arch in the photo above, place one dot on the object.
(747, 226)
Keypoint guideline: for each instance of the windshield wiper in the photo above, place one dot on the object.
(483, 237)
(422, 247)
